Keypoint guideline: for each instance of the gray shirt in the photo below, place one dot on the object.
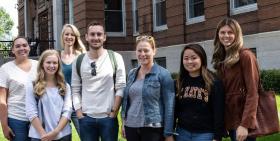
(54, 107)
(135, 113)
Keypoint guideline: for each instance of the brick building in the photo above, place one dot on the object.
(173, 23)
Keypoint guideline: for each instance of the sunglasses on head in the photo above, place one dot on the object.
(93, 66)
(142, 37)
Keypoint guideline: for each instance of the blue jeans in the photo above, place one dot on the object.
(232, 135)
(91, 129)
(20, 129)
(185, 135)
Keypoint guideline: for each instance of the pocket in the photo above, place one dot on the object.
(154, 87)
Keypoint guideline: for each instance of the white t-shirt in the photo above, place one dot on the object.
(15, 80)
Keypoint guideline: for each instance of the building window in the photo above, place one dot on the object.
(242, 6)
(134, 63)
(135, 18)
(161, 61)
(254, 50)
(115, 17)
(159, 15)
(195, 11)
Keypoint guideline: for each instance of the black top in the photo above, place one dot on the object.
(199, 111)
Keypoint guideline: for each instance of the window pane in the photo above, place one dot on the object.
(161, 13)
(113, 4)
(113, 16)
(136, 20)
(135, 16)
(113, 21)
(161, 61)
(239, 3)
(196, 8)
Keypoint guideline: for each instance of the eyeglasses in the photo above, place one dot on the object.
(142, 37)
(93, 66)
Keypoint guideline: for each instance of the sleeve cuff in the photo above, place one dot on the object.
(119, 92)
(67, 115)
(32, 117)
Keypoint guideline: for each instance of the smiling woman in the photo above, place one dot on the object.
(15, 75)
(149, 91)
(238, 68)
(49, 106)
(200, 99)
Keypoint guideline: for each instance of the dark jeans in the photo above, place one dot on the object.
(65, 138)
(20, 129)
(91, 129)
(232, 135)
(144, 134)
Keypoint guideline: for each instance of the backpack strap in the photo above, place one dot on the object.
(78, 63)
(112, 59)
(114, 65)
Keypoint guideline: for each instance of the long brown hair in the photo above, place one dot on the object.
(204, 72)
(230, 56)
(40, 82)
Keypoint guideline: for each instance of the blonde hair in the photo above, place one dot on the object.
(230, 56)
(146, 38)
(40, 82)
(78, 45)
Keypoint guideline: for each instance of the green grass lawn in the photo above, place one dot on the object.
(75, 137)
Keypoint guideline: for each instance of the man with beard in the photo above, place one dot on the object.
(97, 92)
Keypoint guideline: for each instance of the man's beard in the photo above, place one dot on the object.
(95, 47)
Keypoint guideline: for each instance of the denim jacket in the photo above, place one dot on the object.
(158, 97)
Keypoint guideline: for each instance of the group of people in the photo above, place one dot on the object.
(88, 86)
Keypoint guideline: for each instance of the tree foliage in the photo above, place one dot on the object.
(6, 23)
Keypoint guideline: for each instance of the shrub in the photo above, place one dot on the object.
(271, 79)
(174, 75)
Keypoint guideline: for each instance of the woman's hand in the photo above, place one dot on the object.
(50, 136)
(241, 133)
(123, 132)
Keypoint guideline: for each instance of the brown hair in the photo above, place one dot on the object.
(95, 23)
(19, 37)
(230, 56)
